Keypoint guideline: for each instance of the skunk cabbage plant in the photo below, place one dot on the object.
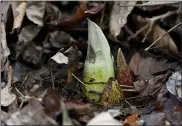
(98, 67)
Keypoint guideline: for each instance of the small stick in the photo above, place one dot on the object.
(126, 86)
(78, 79)
(102, 16)
(129, 90)
(146, 49)
(128, 102)
(9, 77)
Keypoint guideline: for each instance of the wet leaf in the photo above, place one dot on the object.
(119, 14)
(103, 118)
(35, 11)
(27, 34)
(112, 94)
(19, 9)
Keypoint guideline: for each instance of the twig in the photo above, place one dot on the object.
(126, 86)
(130, 90)
(26, 77)
(19, 93)
(138, 32)
(102, 16)
(148, 31)
(128, 102)
(146, 49)
(52, 78)
(78, 79)
(9, 77)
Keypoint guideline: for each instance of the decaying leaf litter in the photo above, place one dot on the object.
(90, 63)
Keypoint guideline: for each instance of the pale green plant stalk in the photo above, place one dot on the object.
(98, 67)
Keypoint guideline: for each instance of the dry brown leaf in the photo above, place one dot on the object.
(131, 120)
(119, 14)
(156, 32)
(20, 9)
(51, 101)
(146, 66)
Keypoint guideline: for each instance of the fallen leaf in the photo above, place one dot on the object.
(134, 62)
(60, 58)
(174, 84)
(27, 34)
(52, 14)
(71, 105)
(81, 13)
(119, 14)
(35, 11)
(131, 120)
(33, 53)
(60, 39)
(151, 85)
(112, 94)
(20, 8)
(154, 119)
(51, 101)
(5, 49)
(173, 116)
(146, 66)
(156, 32)
(104, 118)
(31, 114)
(6, 96)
